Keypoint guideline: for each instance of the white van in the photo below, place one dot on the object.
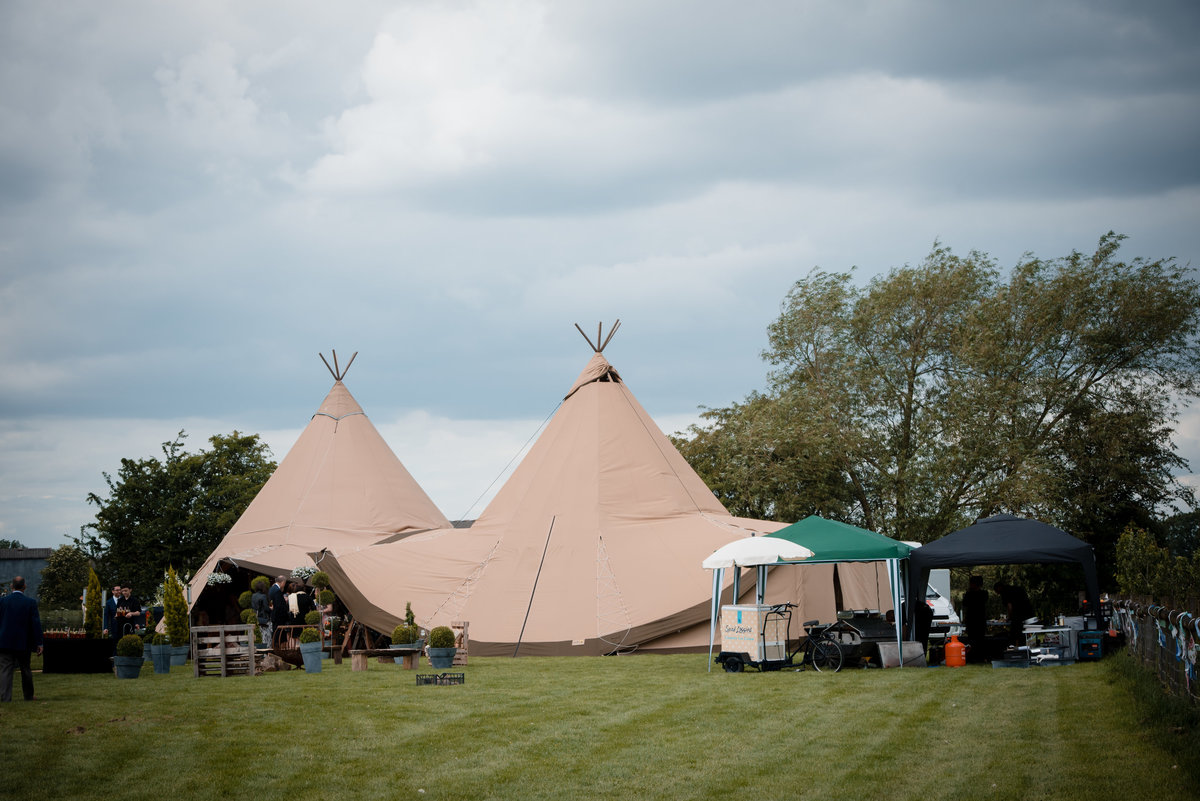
(943, 610)
(937, 595)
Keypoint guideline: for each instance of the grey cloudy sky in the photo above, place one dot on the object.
(198, 198)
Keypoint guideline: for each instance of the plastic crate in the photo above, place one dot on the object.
(1091, 645)
(441, 679)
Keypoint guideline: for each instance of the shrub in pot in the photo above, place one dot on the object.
(128, 661)
(160, 653)
(310, 650)
(244, 599)
(441, 647)
(312, 618)
(249, 616)
(176, 612)
(406, 637)
(130, 645)
(325, 597)
(147, 640)
(320, 580)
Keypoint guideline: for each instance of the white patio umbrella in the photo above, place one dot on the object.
(755, 551)
(750, 552)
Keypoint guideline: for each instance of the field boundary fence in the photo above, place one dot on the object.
(1164, 639)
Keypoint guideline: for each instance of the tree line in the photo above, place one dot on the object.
(160, 513)
(947, 391)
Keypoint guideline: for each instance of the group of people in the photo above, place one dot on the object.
(286, 603)
(975, 614)
(122, 613)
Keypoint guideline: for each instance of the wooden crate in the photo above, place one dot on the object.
(459, 627)
(223, 650)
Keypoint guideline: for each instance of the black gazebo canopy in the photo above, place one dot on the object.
(1004, 540)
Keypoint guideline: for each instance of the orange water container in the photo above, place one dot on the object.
(956, 652)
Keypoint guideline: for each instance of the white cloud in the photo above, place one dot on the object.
(208, 103)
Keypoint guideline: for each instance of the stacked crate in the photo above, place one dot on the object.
(223, 650)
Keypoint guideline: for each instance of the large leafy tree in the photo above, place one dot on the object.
(174, 510)
(945, 391)
(63, 578)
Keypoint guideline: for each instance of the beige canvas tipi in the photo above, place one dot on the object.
(340, 487)
(593, 545)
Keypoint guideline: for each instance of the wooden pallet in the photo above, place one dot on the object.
(459, 627)
(223, 650)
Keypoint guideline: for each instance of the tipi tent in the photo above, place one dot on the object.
(340, 487)
(593, 544)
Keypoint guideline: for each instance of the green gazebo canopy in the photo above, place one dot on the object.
(831, 541)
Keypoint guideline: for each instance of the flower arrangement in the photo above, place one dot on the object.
(303, 572)
(219, 578)
(160, 594)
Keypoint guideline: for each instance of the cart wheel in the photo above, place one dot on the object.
(733, 665)
(827, 656)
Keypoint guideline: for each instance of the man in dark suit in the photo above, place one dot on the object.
(279, 606)
(110, 616)
(20, 633)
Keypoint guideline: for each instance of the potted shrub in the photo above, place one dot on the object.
(310, 650)
(441, 647)
(176, 612)
(93, 615)
(160, 653)
(320, 580)
(406, 637)
(128, 661)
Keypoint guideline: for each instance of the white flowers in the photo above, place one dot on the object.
(219, 578)
(304, 572)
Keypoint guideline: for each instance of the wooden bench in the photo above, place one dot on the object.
(409, 659)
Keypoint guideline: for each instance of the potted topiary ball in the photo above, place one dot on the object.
(310, 650)
(441, 647)
(128, 661)
(160, 653)
(312, 618)
(406, 637)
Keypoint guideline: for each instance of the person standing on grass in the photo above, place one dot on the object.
(262, 611)
(975, 619)
(110, 616)
(279, 606)
(1019, 609)
(20, 633)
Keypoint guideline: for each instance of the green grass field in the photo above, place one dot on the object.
(644, 727)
